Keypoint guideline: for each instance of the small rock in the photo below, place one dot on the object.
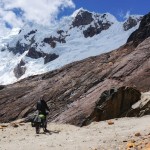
(110, 63)
(138, 134)
(132, 141)
(37, 135)
(21, 124)
(14, 125)
(130, 145)
(110, 122)
(4, 126)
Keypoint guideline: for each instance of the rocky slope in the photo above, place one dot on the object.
(71, 92)
(73, 38)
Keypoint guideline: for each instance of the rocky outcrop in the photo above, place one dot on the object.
(131, 22)
(32, 53)
(19, 48)
(2, 87)
(20, 69)
(30, 33)
(97, 29)
(52, 40)
(142, 33)
(113, 103)
(82, 18)
(142, 107)
(49, 57)
(31, 47)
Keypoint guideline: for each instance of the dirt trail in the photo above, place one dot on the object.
(97, 136)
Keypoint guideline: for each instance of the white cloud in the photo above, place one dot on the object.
(11, 18)
(38, 11)
(3, 30)
(121, 14)
(124, 15)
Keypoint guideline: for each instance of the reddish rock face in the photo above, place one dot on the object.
(71, 92)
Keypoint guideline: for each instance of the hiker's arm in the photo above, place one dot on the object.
(47, 108)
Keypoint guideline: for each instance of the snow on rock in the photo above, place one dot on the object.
(97, 34)
(132, 21)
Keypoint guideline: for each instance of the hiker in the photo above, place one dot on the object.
(42, 108)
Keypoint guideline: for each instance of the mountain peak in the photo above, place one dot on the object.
(73, 38)
(78, 11)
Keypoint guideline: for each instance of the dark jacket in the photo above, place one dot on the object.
(42, 107)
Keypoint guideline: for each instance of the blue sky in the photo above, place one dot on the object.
(116, 7)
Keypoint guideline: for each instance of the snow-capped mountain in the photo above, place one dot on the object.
(36, 49)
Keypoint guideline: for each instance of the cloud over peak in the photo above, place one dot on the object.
(16, 12)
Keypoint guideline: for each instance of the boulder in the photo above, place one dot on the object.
(113, 103)
(142, 107)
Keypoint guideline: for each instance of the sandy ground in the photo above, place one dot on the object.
(97, 136)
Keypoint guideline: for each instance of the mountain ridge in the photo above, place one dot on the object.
(76, 87)
(74, 38)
